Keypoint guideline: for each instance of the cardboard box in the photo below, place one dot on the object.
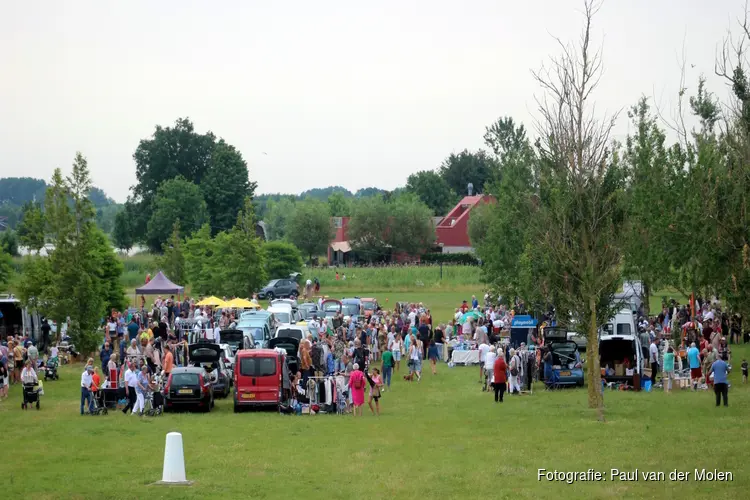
(629, 372)
(619, 370)
(646, 373)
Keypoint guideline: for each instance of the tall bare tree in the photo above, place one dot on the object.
(580, 216)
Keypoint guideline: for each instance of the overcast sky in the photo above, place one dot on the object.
(335, 92)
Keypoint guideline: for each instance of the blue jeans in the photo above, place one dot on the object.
(387, 371)
(86, 395)
(339, 365)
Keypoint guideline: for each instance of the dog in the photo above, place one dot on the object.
(409, 377)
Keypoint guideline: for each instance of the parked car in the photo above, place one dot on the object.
(565, 356)
(257, 326)
(228, 355)
(283, 314)
(369, 307)
(279, 288)
(623, 354)
(258, 378)
(187, 388)
(295, 331)
(233, 338)
(352, 308)
(208, 353)
(331, 307)
(308, 310)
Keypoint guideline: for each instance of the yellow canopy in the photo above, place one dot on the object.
(211, 301)
(241, 304)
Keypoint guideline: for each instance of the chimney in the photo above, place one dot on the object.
(470, 188)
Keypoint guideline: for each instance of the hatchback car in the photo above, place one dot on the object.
(187, 388)
(279, 288)
(207, 353)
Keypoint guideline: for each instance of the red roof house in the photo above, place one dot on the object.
(453, 230)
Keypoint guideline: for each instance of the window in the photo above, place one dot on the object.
(184, 379)
(337, 222)
(623, 329)
(282, 317)
(257, 367)
(290, 332)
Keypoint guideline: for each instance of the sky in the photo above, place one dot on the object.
(318, 93)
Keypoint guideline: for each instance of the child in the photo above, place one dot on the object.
(744, 371)
(375, 385)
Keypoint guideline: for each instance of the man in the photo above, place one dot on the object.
(45, 334)
(87, 379)
(314, 326)
(168, 361)
(483, 350)
(32, 354)
(18, 352)
(489, 367)
(217, 334)
(694, 361)
(654, 360)
(721, 387)
(104, 355)
(424, 336)
(132, 329)
(474, 302)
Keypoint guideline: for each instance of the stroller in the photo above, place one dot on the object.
(50, 370)
(30, 396)
(97, 401)
(154, 403)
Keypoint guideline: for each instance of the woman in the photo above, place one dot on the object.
(396, 347)
(305, 361)
(357, 389)
(499, 377)
(375, 384)
(28, 375)
(668, 371)
(4, 377)
(415, 367)
(140, 390)
(432, 354)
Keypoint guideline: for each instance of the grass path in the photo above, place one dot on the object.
(441, 438)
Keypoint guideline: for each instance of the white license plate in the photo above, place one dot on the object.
(185, 391)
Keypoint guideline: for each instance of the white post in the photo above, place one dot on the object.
(174, 461)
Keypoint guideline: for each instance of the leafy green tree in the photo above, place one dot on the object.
(281, 259)
(225, 186)
(460, 170)
(433, 190)
(172, 260)
(277, 218)
(35, 286)
(369, 227)
(310, 228)
(9, 242)
(339, 205)
(415, 233)
(21, 190)
(200, 250)
(177, 199)
(108, 271)
(31, 227)
(122, 235)
(6, 267)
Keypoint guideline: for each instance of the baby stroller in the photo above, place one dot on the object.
(50, 371)
(98, 406)
(30, 396)
(154, 403)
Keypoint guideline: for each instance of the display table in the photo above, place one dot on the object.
(465, 357)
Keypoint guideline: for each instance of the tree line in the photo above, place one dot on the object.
(577, 212)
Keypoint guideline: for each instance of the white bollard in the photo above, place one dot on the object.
(174, 461)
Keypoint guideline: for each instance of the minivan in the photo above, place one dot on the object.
(258, 378)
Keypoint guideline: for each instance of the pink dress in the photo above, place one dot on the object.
(358, 395)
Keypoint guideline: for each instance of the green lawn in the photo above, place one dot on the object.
(441, 438)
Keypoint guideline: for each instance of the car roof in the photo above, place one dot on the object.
(280, 308)
(351, 301)
(187, 369)
(256, 353)
(616, 337)
(368, 299)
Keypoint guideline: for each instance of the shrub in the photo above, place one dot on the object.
(465, 258)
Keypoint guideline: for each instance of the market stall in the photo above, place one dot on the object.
(159, 285)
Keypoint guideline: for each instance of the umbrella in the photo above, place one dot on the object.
(468, 315)
(211, 301)
(241, 304)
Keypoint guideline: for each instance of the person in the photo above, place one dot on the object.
(489, 367)
(500, 377)
(744, 371)
(721, 387)
(140, 390)
(432, 353)
(396, 347)
(4, 378)
(357, 389)
(387, 366)
(32, 354)
(131, 382)
(515, 371)
(87, 379)
(414, 365)
(375, 384)
(168, 361)
(104, 355)
(46, 328)
(668, 369)
(654, 360)
(694, 361)
(18, 352)
(484, 348)
(28, 374)
(299, 390)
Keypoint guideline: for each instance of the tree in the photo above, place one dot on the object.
(310, 228)
(108, 271)
(177, 198)
(172, 260)
(281, 259)
(6, 267)
(339, 205)
(368, 228)
(277, 218)
(460, 170)
(580, 216)
(225, 186)
(9, 242)
(433, 190)
(21, 190)
(200, 250)
(31, 227)
(122, 234)
(411, 229)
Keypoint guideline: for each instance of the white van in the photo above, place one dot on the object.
(619, 341)
(283, 314)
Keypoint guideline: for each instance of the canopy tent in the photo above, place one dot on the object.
(212, 301)
(158, 285)
(241, 304)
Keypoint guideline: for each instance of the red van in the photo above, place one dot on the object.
(258, 378)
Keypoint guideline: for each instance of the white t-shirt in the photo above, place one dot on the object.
(483, 350)
(412, 318)
(654, 351)
(489, 360)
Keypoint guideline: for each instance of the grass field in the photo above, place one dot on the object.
(441, 438)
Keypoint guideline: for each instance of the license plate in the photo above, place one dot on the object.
(565, 374)
(248, 396)
(185, 391)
